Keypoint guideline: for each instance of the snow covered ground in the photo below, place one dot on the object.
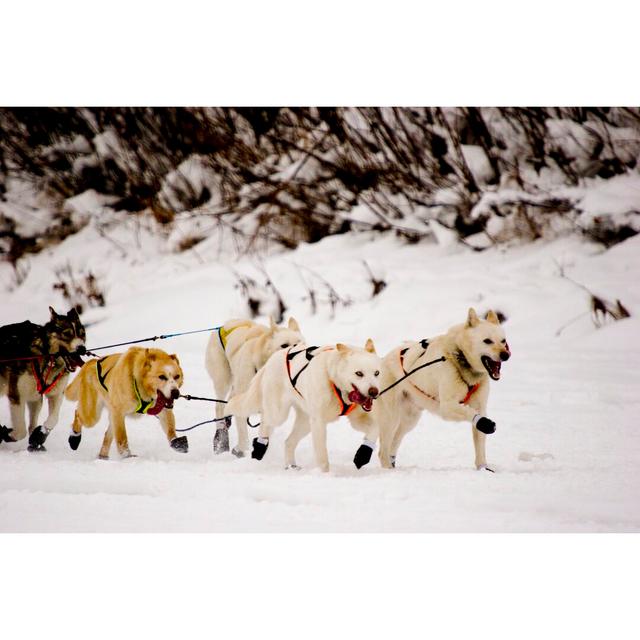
(566, 450)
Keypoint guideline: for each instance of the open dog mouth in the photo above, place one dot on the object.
(162, 402)
(492, 367)
(366, 402)
(72, 360)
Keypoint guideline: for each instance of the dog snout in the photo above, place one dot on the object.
(505, 355)
(373, 392)
(175, 394)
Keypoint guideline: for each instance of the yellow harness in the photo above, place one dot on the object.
(223, 334)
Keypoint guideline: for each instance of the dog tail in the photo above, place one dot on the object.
(72, 392)
(249, 402)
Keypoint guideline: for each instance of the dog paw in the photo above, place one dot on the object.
(295, 467)
(485, 425)
(36, 448)
(102, 457)
(74, 440)
(363, 455)
(5, 434)
(180, 444)
(238, 453)
(483, 467)
(392, 461)
(37, 439)
(127, 454)
(221, 440)
(259, 449)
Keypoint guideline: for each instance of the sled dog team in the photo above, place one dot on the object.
(265, 370)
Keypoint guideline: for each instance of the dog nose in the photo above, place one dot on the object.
(373, 392)
(175, 393)
(81, 350)
(504, 355)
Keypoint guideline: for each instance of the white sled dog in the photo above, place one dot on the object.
(456, 389)
(321, 383)
(234, 354)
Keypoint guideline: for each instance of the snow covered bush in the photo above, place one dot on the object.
(297, 174)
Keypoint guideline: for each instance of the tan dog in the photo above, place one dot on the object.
(456, 389)
(140, 381)
(234, 354)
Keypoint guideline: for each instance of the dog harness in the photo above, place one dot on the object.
(42, 385)
(223, 335)
(471, 389)
(102, 377)
(345, 409)
(144, 406)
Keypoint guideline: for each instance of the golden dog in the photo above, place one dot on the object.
(140, 381)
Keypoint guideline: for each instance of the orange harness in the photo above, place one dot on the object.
(471, 389)
(42, 385)
(345, 409)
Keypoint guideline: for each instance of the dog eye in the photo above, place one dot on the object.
(176, 377)
(284, 346)
(377, 373)
(488, 341)
(359, 374)
(162, 377)
(503, 341)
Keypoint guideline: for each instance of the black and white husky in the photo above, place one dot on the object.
(35, 361)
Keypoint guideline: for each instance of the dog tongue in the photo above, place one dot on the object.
(160, 404)
(364, 401)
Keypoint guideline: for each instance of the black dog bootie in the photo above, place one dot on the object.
(485, 425)
(180, 444)
(74, 440)
(37, 439)
(221, 438)
(363, 455)
(259, 449)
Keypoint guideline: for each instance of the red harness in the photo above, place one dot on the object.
(42, 385)
(471, 389)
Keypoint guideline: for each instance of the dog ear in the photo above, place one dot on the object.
(293, 324)
(492, 317)
(173, 356)
(54, 315)
(342, 348)
(472, 318)
(369, 346)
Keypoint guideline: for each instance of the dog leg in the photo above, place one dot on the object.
(119, 433)
(300, 429)
(479, 440)
(17, 420)
(106, 444)
(35, 406)
(54, 405)
(408, 423)
(243, 436)
(319, 436)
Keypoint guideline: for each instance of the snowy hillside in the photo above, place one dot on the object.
(566, 450)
